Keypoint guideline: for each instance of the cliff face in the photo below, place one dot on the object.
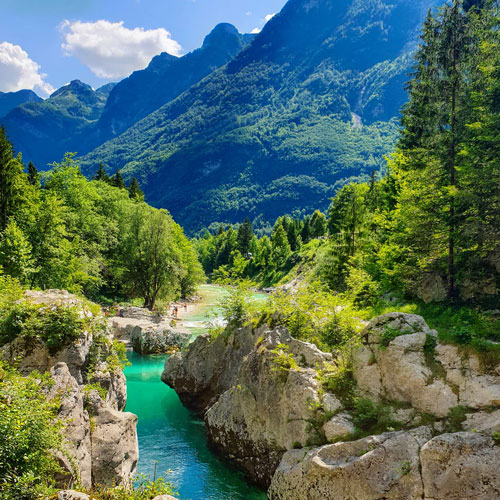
(101, 440)
(267, 407)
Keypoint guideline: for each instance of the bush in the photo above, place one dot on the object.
(283, 359)
(29, 430)
(145, 489)
(238, 306)
(56, 326)
(372, 418)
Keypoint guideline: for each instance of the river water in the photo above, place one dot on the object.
(173, 437)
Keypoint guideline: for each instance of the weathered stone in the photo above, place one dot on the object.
(147, 336)
(431, 288)
(338, 427)
(72, 495)
(76, 428)
(384, 467)
(115, 384)
(331, 403)
(483, 422)
(114, 447)
(399, 371)
(461, 466)
(165, 497)
(254, 410)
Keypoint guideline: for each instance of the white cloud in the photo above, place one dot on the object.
(18, 71)
(112, 51)
(267, 18)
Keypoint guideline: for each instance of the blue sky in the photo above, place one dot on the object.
(46, 43)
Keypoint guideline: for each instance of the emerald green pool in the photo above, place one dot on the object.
(169, 434)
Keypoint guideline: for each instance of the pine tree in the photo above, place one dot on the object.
(118, 181)
(13, 181)
(101, 174)
(280, 247)
(134, 190)
(434, 122)
(318, 224)
(245, 234)
(33, 176)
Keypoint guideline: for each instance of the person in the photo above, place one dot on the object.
(176, 311)
(185, 306)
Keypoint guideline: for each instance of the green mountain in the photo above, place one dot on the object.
(44, 131)
(310, 104)
(76, 118)
(10, 100)
(165, 78)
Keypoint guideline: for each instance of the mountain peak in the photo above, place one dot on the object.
(222, 35)
(75, 86)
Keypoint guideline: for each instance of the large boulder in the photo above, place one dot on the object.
(461, 466)
(148, 335)
(384, 467)
(255, 409)
(414, 368)
(114, 447)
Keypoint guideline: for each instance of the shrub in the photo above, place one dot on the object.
(145, 489)
(283, 359)
(56, 326)
(372, 418)
(29, 430)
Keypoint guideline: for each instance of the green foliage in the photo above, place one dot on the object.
(283, 360)
(145, 489)
(57, 326)
(339, 379)
(456, 417)
(314, 315)
(29, 430)
(237, 308)
(372, 418)
(388, 335)
(91, 238)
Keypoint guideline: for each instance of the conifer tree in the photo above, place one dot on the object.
(134, 190)
(428, 158)
(101, 174)
(33, 176)
(245, 234)
(13, 181)
(118, 181)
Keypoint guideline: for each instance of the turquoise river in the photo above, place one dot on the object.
(170, 436)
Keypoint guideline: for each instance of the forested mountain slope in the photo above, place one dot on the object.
(165, 78)
(44, 131)
(76, 118)
(10, 100)
(308, 105)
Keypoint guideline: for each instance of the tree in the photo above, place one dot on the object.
(14, 186)
(33, 175)
(152, 260)
(118, 181)
(434, 122)
(245, 234)
(101, 174)
(280, 247)
(134, 190)
(318, 224)
(15, 253)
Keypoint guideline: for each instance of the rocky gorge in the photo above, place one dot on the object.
(268, 406)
